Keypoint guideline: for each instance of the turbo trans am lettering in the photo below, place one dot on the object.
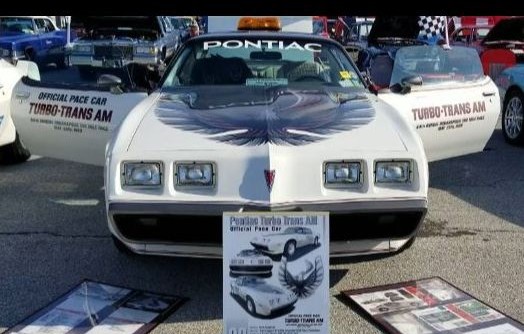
(263, 44)
(448, 110)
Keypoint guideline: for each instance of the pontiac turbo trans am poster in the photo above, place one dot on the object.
(276, 272)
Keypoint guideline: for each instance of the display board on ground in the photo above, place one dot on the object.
(429, 306)
(96, 308)
(276, 272)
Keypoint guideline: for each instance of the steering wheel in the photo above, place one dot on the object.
(309, 78)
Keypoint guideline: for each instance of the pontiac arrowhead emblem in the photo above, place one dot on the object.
(270, 177)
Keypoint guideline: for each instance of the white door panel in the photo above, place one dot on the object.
(69, 124)
(450, 122)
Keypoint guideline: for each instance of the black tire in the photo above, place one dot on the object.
(14, 153)
(122, 248)
(290, 248)
(250, 305)
(512, 117)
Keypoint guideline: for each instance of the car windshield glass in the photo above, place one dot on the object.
(264, 62)
(16, 24)
(437, 66)
(248, 252)
(176, 23)
(290, 230)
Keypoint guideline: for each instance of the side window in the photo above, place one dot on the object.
(49, 25)
(40, 24)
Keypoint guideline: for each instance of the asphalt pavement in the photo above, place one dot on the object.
(53, 234)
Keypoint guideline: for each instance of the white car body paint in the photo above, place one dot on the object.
(137, 134)
(9, 76)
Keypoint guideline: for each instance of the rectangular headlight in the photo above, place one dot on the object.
(199, 174)
(341, 173)
(142, 173)
(146, 50)
(393, 172)
(83, 48)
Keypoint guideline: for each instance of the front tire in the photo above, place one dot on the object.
(290, 248)
(512, 117)
(14, 153)
(250, 304)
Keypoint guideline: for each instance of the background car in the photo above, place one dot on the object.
(287, 242)
(251, 262)
(506, 35)
(470, 35)
(320, 26)
(12, 149)
(511, 86)
(260, 297)
(115, 42)
(33, 38)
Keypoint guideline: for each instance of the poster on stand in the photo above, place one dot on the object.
(430, 306)
(276, 272)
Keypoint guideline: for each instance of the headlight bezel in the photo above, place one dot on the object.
(176, 176)
(410, 171)
(344, 185)
(123, 174)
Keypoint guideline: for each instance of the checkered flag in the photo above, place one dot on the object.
(431, 26)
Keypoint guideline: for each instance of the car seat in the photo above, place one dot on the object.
(380, 70)
(303, 70)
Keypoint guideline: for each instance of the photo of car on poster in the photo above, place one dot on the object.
(430, 306)
(276, 272)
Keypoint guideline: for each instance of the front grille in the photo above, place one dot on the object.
(208, 229)
(113, 52)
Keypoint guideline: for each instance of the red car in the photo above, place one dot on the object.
(470, 35)
(320, 26)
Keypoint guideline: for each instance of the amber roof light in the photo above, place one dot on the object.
(259, 23)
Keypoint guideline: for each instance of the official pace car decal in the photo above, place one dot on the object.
(279, 116)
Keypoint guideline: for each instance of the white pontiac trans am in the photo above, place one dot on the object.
(261, 297)
(286, 242)
(266, 121)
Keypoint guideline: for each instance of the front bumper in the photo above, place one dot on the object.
(250, 269)
(356, 228)
(266, 310)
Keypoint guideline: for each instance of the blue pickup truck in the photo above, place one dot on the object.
(34, 38)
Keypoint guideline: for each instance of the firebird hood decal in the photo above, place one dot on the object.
(278, 116)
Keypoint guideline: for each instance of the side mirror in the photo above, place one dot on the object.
(406, 83)
(111, 81)
(412, 80)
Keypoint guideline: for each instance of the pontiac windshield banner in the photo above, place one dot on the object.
(276, 272)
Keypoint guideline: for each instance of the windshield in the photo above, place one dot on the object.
(263, 62)
(436, 65)
(17, 24)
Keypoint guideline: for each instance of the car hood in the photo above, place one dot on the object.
(255, 119)
(505, 31)
(394, 26)
(94, 22)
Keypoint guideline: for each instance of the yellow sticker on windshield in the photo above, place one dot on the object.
(345, 75)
